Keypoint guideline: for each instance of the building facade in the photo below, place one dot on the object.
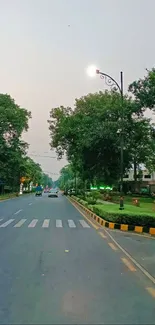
(146, 183)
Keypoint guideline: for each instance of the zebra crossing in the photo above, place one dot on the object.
(46, 223)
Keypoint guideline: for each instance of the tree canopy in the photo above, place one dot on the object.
(14, 162)
(144, 90)
(90, 135)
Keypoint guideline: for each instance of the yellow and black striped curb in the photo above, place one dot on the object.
(113, 225)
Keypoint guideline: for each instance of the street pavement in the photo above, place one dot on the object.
(56, 268)
(140, 247)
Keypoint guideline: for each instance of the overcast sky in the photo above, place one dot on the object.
(46, 45)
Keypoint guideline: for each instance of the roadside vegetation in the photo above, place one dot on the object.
(15, 165)
(89, 135)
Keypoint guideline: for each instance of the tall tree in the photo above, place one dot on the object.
(47, 180)
(13, 121)
(144, 90)
(89, 134)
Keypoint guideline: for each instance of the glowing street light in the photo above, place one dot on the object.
(91, 71)
(114, 85)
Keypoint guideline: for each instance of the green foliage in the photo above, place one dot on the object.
(90, 136)
(46, 180)
(14, 162)
(66, 180)
(138, 218)
(14, 120)
(144, 90)
(135, 219)
(95, 195)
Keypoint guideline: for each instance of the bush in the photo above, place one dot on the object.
(126, 218)
(91, 201)
(81, 196)
(96, 195)
(122, 217)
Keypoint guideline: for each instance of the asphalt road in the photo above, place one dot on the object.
(141, 247)
(55, 268)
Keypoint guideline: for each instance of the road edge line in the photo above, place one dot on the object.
(140, 267)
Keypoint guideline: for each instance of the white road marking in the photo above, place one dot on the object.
(5, 224)
(71, 224)
(33, 223)
(46, 223)
(58, 223)
(148, 275)
(84, 224)
(18, 211)
(30, 203)
(20, 223)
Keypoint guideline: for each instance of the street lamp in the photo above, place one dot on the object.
(113, 84)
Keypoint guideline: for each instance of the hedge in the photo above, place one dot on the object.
(121, 217)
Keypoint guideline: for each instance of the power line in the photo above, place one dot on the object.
(42, 156)
(45, 171)
(31, 154)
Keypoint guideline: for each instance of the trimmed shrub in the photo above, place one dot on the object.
(126, 218)
(91, 201)
(121, 217)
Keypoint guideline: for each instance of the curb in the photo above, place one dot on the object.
(112, 225)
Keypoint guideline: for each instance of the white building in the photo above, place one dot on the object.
(147, 177)
(147, 182)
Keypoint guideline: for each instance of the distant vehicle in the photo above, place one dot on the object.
(53, 193)
(38, 191)
(71, 192)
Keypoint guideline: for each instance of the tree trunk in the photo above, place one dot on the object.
(135, 170)
(135, 165)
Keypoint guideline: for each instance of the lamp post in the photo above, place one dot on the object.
(113, 84)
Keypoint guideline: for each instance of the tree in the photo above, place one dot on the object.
(13, 121)
(46, 180)
(142, 144)
(144, 90)
(67, 177)
(32, 171)
(89, 134)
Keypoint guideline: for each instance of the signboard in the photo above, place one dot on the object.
(23, 179)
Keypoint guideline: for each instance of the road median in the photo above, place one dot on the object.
(144, 228)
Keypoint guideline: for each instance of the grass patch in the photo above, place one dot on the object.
(8, 196)
(131, 215)
(132, 209)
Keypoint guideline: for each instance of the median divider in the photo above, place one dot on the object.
(112, 225)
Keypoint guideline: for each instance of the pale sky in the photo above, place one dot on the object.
(46, 45)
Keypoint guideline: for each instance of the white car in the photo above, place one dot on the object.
(53, 193)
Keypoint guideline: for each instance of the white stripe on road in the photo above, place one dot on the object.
(84, 224)
(58, 223)
(46, 223)
(30, 203)
(18, 211)
(71, 224)
(20, 223)
(5, 224)
(33, 223)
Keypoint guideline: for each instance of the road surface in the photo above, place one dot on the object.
(56, 268)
